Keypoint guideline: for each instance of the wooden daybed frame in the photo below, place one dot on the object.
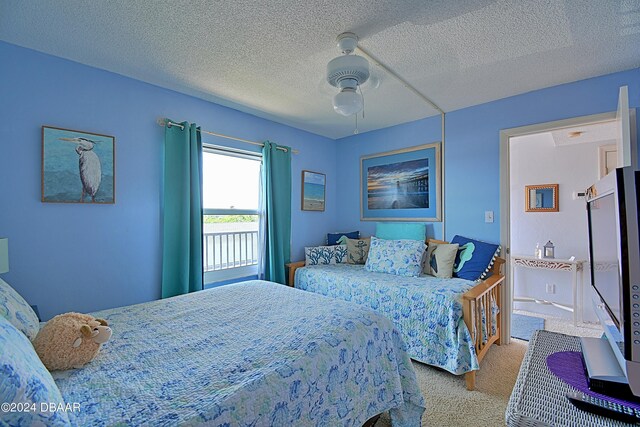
(472, 302)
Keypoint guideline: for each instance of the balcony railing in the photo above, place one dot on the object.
(230, 249)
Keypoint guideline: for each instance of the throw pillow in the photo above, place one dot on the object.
(401, 231)
(16, 310)
(357, 250)
(474, 258)
(322, 255)
(26, 381)
(332, 238)
(440, 258)
(340, 254)
(399, 257)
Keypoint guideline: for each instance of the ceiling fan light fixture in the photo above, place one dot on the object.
(347, 73)
(347, 102)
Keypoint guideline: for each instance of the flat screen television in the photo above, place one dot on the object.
(614, 262)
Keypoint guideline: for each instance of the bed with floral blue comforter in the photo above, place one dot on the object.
(249, 354)
(426, 310)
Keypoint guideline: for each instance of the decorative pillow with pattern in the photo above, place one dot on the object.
(358, 250)
(399, 257)
(334, 238)
(474, 259)
(317, 255)
(25, 380)
(16, 310)
(340, 254)
(440, 258)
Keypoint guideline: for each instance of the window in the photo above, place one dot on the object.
(231, 181)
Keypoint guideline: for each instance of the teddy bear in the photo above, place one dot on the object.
(70, 340)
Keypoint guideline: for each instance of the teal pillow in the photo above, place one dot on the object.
(474, 259)
(16, 310)
(401, 231)
(26, 382)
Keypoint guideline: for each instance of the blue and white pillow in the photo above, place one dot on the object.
(322, 255)
(334, 238)
(16, 310)
(474, 258)
(24, 380)
(399, 257)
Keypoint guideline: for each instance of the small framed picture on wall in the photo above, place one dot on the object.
(313, 191)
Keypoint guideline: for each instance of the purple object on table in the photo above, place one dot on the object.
(568, 366)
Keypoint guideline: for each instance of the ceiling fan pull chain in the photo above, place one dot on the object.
(355, 131)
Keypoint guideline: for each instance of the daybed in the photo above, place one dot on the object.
(443, 321)
(253, 353)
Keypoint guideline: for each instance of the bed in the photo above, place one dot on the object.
(447, 323)
(253, 353)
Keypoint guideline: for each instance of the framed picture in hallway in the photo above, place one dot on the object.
(77, 167)
(401, 185)
(313, 191)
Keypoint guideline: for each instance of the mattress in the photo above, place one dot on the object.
(426, 310)
(254, 354)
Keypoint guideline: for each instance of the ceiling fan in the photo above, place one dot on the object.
(348, 73)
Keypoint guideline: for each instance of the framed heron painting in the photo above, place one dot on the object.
(77, 167)
(401, 185)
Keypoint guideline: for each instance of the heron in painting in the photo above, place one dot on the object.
(90, 168)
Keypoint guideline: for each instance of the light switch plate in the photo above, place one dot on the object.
(488, 216)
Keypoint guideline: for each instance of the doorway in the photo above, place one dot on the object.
(563, 155)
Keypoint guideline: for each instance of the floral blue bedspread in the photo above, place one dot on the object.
(249, 354)
(426, 310)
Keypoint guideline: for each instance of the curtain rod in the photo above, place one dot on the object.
(169, 123)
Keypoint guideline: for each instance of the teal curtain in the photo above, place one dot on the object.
(182, 211)
(276, 207)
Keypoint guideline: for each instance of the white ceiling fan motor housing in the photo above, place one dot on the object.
(347, 71)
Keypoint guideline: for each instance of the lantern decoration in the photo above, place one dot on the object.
(549, 250)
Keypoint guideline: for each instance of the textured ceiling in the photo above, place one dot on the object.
(598, 132)
(268, 58)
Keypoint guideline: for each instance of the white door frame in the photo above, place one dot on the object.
(505, 198)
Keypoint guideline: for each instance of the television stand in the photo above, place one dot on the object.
(539, 398)
(603, 370)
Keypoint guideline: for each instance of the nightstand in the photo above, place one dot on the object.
(293, 266)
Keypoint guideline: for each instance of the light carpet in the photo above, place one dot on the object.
(450, 404)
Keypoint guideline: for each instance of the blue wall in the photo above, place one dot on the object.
(472, 154)
(81, 257)
(350, 149)
(72, 257)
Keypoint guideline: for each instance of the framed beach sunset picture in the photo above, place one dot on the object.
(401, 185)
(313, 191)
(77, 167)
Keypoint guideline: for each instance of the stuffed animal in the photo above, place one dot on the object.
(70, 340)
